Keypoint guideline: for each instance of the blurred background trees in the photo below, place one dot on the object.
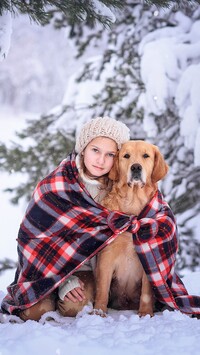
(111, 81)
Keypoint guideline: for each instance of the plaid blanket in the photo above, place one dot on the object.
(63, 227)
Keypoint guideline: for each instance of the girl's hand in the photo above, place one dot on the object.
(77, 294)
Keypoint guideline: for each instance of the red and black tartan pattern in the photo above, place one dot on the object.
(63, 227)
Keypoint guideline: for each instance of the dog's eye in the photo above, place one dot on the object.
(145, 156)
(127, 156)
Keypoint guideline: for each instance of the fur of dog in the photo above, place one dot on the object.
(121, 282)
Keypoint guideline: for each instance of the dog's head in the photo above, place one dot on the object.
(138, 163)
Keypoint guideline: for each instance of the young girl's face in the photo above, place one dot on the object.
(99, 155)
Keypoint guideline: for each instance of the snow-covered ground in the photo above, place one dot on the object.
(120, 333)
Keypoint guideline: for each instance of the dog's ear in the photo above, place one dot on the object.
(114, 171)
(160, 166)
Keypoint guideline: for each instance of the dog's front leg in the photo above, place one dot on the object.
(146, 298)
(104, 273)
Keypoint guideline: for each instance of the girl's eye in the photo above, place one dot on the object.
(95, 149)
(145, 156)
(111, 155)
(127, 156)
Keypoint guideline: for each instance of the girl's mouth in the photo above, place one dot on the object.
(97, 167)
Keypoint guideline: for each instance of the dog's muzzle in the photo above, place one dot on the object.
(136, 176)
(136, 172)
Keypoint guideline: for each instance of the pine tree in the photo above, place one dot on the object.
(118, 98)
(40, 158)
(75, 11)
(7, 264)
(43, 11)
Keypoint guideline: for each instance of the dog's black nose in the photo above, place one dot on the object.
(136, 168)
(136, 172)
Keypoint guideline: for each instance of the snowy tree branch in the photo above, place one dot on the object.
(5, 34)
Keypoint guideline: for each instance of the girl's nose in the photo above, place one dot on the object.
(101, 159)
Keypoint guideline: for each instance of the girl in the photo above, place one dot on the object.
(65, 226)
(55, 244)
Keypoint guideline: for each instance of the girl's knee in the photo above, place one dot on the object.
(36, 311)
(68, 308)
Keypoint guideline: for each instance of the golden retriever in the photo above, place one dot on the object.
(121, 282)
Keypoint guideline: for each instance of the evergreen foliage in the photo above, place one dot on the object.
(46, 151)
(118, 98)
(73, 11)
(7, 264)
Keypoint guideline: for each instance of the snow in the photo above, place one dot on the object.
(11, 215)
(29, 83)
(103, 10)
(121, 332)
(170, 69)
(197, 148)
(5, 34)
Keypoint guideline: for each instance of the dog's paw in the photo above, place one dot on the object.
(143, 313)
(98, 312)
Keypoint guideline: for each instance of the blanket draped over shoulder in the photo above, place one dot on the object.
(63, 227)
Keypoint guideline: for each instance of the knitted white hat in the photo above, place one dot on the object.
(102, 127)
